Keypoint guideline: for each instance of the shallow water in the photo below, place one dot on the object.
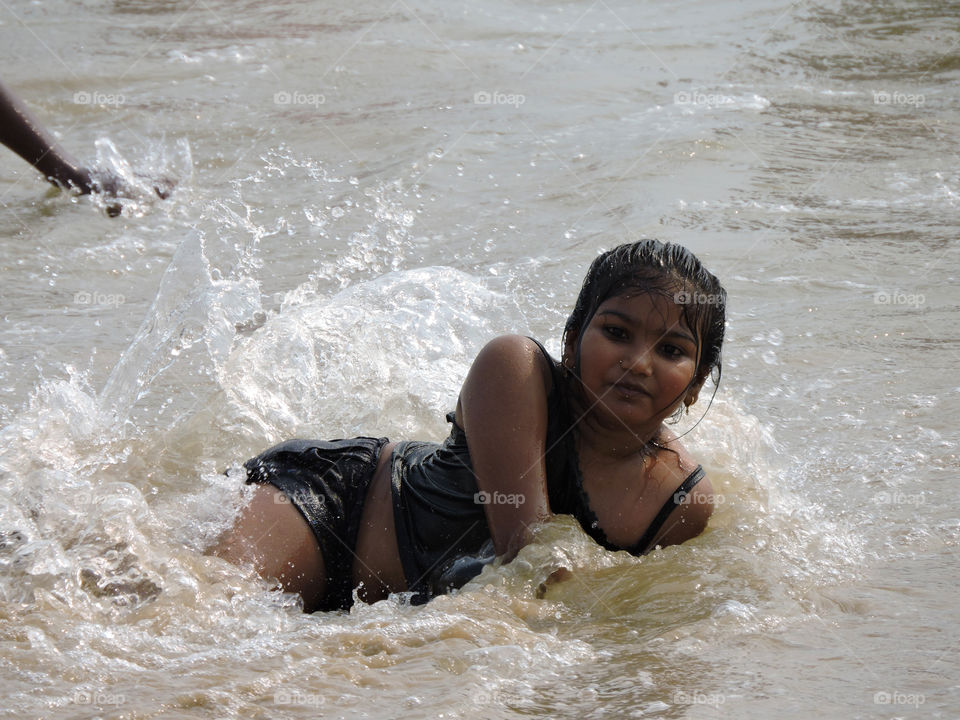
(369, 193)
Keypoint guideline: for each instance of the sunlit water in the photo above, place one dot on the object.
(367, 194)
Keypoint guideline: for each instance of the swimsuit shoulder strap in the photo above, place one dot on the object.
(641, 548)
(550, 361)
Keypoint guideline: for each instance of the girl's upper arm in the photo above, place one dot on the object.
(503, 411)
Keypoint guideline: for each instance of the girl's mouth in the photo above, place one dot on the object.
(630, 390)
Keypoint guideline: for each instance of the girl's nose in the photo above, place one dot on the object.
(639, 362)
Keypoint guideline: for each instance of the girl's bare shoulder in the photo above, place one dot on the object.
(673, 459)
(511, 367)
(517, 352)
(673, 465)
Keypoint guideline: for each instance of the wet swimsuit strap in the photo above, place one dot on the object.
(641, 548)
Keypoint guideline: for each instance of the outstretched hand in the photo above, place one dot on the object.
(87, 181)
(116, 186)
(22, 132)
(557, 576)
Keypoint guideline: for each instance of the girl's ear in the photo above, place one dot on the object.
(693, 392)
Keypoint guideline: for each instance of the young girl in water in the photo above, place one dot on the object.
(530, 438)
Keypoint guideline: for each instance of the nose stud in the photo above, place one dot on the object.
(621, 364)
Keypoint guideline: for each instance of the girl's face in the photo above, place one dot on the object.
(637, 360)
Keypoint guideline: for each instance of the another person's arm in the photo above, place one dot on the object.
(22, 132)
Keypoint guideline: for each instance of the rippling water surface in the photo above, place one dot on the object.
(367, 194)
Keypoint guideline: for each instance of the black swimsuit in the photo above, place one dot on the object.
(327, 482)
(439, 513)
(437, 508)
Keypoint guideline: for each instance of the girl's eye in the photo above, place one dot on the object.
(618, 333)
(672, 351)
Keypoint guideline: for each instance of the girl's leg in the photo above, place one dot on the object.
(271, 534)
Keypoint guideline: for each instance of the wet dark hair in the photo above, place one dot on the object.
(658, 268)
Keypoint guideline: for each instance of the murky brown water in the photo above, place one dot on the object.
(373, 191)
